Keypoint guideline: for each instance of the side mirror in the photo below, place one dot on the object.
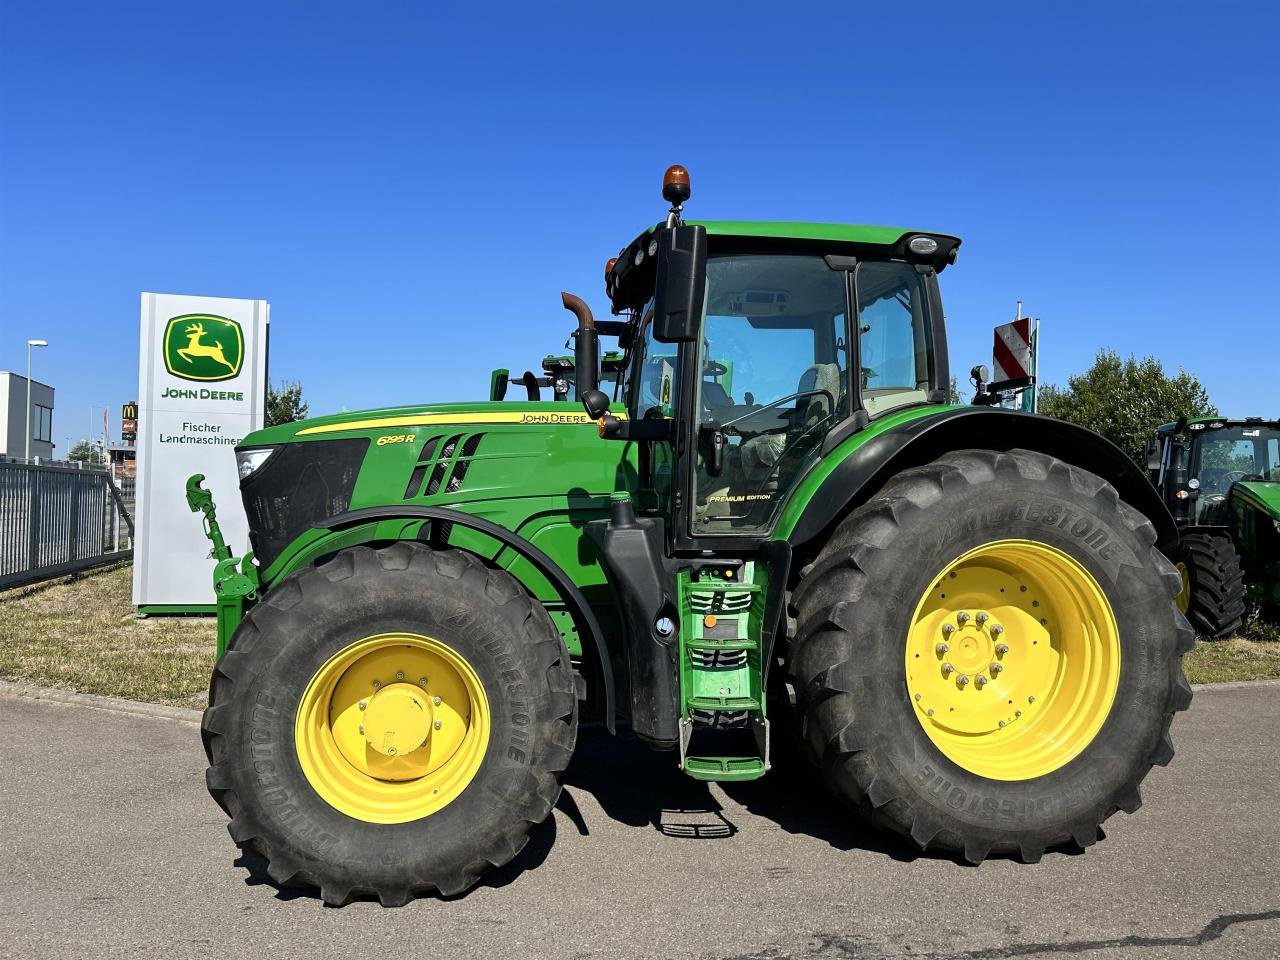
(681, 285)
(595, 402)
(1153, 455)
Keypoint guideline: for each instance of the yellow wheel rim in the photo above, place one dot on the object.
(1184, 595)
(392, 728)
(1013, 659)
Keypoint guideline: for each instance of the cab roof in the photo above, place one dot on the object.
(629, 276)
(1215, 423)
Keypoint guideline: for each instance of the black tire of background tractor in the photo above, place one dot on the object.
(1217, 604)
(854, 605)
(248, 729)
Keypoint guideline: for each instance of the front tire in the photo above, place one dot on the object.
(987, 655)
(390, 723)
(1213, 583)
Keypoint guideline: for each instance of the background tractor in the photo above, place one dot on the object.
(962, 614)
(557, 376)
(1221, 481)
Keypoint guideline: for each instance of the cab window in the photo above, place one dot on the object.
(896, 348)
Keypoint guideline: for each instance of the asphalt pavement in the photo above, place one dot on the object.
(110, 847)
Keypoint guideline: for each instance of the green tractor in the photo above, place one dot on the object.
(1221, 481)
(962, 615)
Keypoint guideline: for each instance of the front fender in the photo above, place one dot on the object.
(376, 523)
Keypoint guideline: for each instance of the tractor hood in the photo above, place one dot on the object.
(1260, 495)
(392, 419)
(296, 478)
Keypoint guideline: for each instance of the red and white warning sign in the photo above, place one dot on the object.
(1012, 352)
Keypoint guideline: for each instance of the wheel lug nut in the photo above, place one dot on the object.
(962, 680)
(979, 681)
(437, 724)
(941, 648)
(362, 728)
(996, 668)
(996, 629)
(929, 712)
(918, 698)
(948, 628)
(422, 681)
(983, 618)
(399, 674)
(1001, 724)
(437, 701)
(1017, 713)
(391, 751)
(363, 704)
(377, 684)
(1031, 699)
(1002, 649)
(962, 618)
(947, 668)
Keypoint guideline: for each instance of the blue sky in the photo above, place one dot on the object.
(412, 184)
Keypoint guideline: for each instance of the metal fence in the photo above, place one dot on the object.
(56, 520)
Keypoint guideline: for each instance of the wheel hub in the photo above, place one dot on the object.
(1010, 633)
(392, 727)
(397, 720)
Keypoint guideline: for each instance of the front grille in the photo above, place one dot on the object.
(301, 484)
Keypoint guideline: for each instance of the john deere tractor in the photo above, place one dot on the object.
(1221, 481)
(963, 614)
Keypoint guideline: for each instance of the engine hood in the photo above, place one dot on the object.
(388, 420)
(1261, 495)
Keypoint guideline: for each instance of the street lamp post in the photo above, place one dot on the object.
(30, 344)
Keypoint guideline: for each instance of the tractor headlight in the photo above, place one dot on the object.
(248, 461)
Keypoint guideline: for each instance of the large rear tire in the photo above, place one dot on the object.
(987, 655)
(1213, 583)
(390, 723)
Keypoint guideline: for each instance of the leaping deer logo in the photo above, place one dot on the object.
(195, 348)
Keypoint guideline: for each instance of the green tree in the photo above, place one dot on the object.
(285, 403)
(85, 452)
(1125, 400)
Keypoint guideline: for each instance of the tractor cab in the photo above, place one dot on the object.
(753, 348)
(1197, 463)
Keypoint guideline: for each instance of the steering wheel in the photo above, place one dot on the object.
(714, 368)
(1231, 477)
(776, 403)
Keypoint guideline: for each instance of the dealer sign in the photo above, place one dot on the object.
(202, 376)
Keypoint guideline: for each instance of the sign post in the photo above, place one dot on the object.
(202, 377)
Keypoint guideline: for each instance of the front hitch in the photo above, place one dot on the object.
(235, 582)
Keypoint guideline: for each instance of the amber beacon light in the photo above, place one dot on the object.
(675, 184)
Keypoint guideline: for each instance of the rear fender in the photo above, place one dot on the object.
(867, 468)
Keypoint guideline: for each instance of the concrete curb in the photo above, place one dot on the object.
(33, 691)
(1235, 685)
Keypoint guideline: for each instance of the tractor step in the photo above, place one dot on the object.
(730, 703)
(725, 768)
(748, 760)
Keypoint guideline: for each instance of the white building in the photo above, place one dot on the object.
(13, 426)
